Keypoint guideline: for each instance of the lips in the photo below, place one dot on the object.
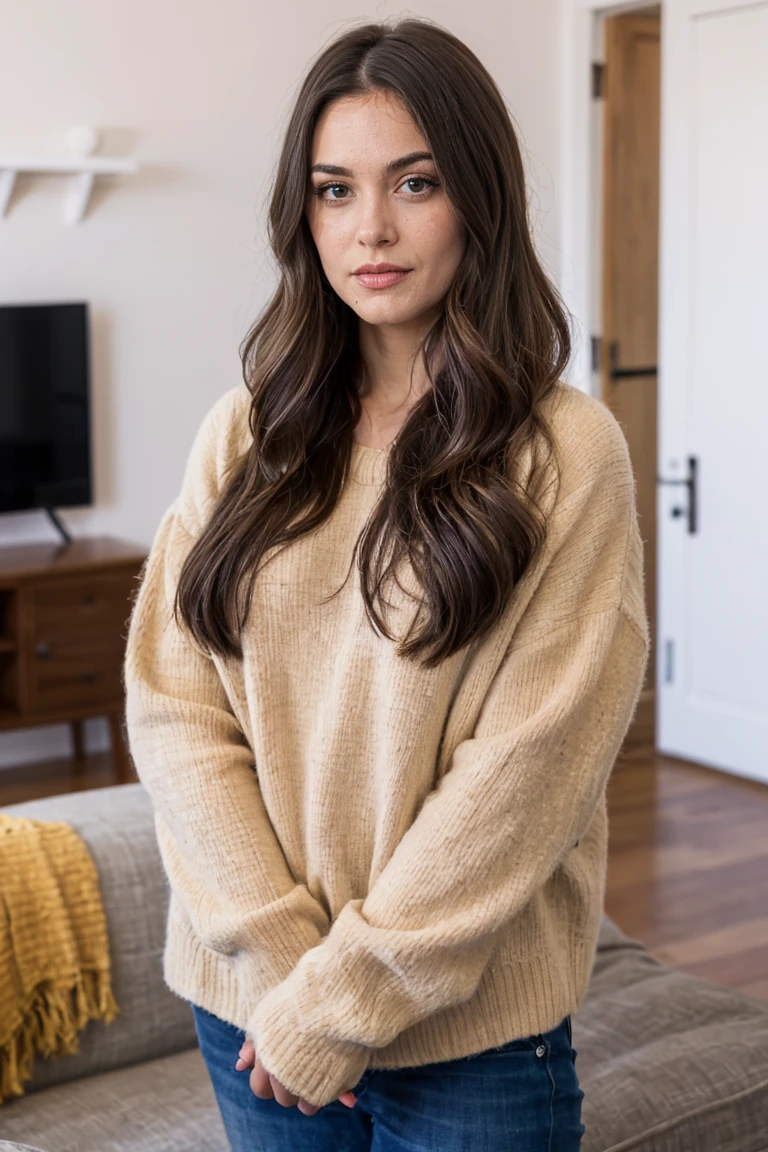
(383, 276)
(377, 269)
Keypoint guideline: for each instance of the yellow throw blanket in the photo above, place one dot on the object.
(54, 950)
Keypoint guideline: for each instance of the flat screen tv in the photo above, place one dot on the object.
(45, 410)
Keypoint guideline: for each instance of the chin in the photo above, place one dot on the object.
(383, 316)
(387, 312)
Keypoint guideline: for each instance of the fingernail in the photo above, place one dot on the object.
(240, 1062)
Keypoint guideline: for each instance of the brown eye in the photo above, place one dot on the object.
(425, 180)
(319, 189)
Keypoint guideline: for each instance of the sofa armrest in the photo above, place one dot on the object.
(117, 826)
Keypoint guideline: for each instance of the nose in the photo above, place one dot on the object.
(376, 224)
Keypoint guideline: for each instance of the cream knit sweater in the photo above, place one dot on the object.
(372, 864)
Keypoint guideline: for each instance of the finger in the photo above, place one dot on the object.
(348, 1098)
(282, 1095)
(259, 1081)
(307, 1108)
(245, 1056)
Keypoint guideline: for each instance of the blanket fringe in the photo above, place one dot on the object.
(50, 1023)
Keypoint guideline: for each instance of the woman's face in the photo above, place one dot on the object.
(368, 214)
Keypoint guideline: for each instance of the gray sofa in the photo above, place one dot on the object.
(668, 1063)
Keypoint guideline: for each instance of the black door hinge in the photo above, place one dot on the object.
(598, 80)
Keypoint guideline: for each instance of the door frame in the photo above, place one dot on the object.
(579, 276)
(581, 230)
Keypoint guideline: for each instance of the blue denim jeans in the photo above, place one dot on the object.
(523, 1096)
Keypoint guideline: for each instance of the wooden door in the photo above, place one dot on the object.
(630, 94)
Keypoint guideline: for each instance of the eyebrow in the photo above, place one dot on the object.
(392, 166)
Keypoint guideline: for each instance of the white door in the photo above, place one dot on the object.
(712, 650)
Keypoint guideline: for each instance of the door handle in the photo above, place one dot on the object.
(623, 373)
(690, 482)
(616, 373)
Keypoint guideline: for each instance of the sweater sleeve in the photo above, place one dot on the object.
(516, 797)
(222, 857)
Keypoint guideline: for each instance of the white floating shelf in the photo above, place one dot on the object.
(84, 169)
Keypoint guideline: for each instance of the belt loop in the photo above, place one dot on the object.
(570, 1031)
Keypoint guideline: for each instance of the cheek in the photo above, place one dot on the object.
(442, 242)
(330, 236)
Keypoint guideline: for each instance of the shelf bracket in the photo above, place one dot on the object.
(78, 198)
(7, 183)
(84, 170)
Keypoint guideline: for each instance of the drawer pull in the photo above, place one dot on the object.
(42, 649)
(88, 599)
(88, 677)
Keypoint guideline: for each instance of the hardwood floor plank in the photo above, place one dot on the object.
(722, 942)
(688, 867)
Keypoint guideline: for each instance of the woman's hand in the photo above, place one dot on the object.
(265, 1085)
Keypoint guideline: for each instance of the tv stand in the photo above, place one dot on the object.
(58, 524)
(64, 614)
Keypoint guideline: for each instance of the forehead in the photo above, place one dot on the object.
(362, 131)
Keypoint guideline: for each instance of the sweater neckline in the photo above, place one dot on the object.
(369, 465)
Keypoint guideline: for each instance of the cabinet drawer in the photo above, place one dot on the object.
(75, 680)
(82, 609)
(75, 640)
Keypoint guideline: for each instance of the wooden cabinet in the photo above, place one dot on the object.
(64, 611)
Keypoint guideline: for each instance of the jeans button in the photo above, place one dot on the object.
(540, 1050)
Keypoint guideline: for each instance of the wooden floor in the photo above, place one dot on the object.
(687, 858)
(688, 867)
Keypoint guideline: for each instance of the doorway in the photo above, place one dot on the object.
(626, 90)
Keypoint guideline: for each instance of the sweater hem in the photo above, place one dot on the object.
(515, 999)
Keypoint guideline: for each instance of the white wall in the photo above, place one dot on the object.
(174, 260)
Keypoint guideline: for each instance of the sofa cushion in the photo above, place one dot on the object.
(668, 1062)
(159, 1106)
(117, 825)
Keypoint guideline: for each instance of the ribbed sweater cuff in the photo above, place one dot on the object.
(305, 1059)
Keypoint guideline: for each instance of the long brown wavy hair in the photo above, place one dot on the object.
(450, 505)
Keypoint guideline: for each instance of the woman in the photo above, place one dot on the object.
(382, 813)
